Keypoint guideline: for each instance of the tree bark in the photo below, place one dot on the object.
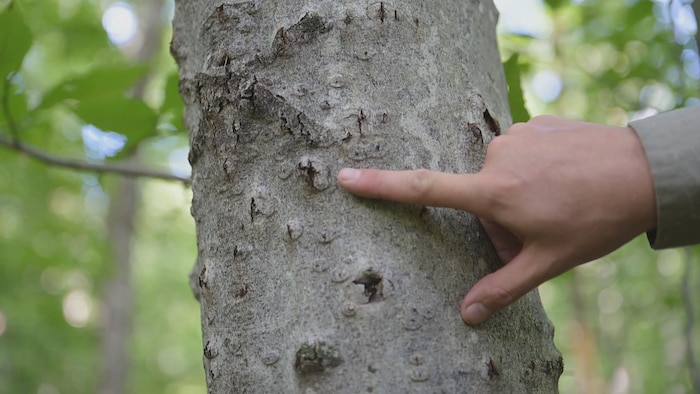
(303, 287)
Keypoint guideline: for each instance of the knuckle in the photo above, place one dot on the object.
(501, 195)
(497, 296)
(506, 142)
(543, 119)
(497, 145)
(420, 182)
(507, 186)
(516, 128)
(534, 124)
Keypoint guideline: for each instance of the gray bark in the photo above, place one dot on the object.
(303, 287)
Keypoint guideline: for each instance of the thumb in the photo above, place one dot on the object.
(501, 288)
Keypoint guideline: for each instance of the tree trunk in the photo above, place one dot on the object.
(117, 303)
(305, 288)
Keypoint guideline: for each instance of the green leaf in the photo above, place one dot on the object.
(17, 106)
(516, 100)
(99, 98)
(84, 36)
(15, 40)
(130, 117)
(100, 82)
(173, 106)
(554, 4)
(172, 100)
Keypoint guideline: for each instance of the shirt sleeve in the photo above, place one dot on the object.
(671, 141)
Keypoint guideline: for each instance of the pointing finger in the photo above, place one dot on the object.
(460, 191)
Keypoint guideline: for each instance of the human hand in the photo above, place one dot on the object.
(553, 193)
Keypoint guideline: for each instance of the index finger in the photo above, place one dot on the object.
(424, 187)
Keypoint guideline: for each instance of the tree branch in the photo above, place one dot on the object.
(82, 165)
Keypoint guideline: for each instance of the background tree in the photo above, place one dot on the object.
(64, 82)
(622, 322)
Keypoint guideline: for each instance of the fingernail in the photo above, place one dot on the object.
(476, 313)
(348, 174)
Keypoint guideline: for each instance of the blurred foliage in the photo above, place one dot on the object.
(60, 72)
(620, 321)
(513, 71)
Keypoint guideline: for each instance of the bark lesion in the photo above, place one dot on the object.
(361, 118)
(309, 27)
(316, 357)
(246, 96)
(317, 174)
(492, 123)
(491, 369)
(373, 283)
(195, 276)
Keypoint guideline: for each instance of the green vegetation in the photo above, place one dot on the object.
(60, 72)
(69, 92)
